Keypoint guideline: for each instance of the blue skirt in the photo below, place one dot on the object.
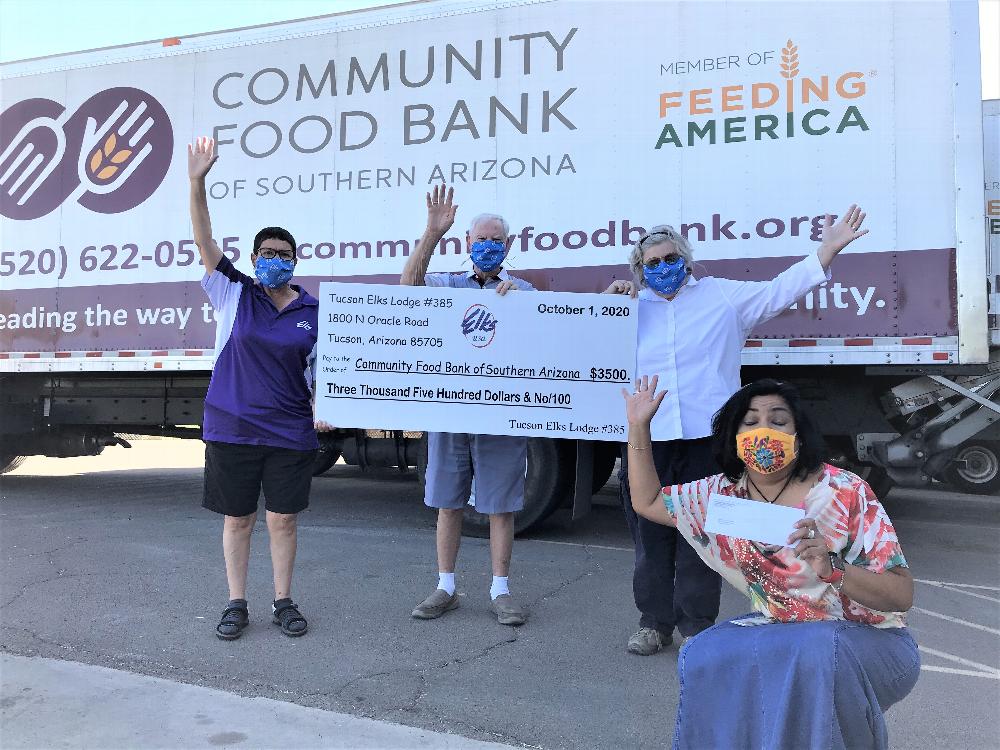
(798, 686)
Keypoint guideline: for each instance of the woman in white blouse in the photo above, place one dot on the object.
(691, 333)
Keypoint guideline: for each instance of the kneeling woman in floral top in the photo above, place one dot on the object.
(829, 651)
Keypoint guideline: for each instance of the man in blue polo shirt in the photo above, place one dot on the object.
(258, 429)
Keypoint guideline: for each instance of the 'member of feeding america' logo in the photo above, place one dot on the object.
(815, 105)
(479, 326)
(109, 155)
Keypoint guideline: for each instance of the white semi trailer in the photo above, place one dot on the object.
(583, 123)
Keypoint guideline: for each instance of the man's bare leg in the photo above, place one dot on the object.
(501, 542)
(449, 538)
(509, 612)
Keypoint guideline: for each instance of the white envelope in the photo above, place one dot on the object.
(749, 519)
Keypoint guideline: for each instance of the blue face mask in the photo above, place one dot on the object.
(666, 278)
(488, 254)
(273, 272)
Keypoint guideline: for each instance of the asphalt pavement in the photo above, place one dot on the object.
(110, 562)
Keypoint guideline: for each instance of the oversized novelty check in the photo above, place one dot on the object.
(469, 360)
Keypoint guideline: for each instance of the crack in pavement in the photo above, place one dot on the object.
(422, 670)
(421, 673)
(44, 553)
(596, 568)
(250, 687)
(60, 575)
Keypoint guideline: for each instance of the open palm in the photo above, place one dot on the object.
(201, 157)
(441, 209)
(642, 403)
(845, 231)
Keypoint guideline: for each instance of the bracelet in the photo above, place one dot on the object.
(637, 447)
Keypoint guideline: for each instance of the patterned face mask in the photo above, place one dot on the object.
(488, 254)
(273, 272)
(765, 450)
(666, 278)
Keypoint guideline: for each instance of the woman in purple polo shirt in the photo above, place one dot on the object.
(258, 429)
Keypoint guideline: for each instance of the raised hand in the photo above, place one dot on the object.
(838, 236)
(642, 403)
(201, 157)
(441, 209)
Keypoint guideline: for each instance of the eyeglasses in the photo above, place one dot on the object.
(652, 263)
(269, 252)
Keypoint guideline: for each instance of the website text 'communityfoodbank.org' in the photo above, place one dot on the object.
(613, 233)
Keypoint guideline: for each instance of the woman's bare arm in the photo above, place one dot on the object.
(889, 591)
(201, 157)
(644, 484)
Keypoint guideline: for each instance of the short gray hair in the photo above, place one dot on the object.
(659, 235)
(476, 220)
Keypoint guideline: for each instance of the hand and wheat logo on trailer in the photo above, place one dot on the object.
(110, 155)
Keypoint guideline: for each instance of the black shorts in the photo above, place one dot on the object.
(235, 474)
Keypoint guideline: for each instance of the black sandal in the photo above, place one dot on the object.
(235, 618)
(287, 615)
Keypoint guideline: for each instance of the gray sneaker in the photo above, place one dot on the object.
(435, 605)
(647, 641)
(509, 612)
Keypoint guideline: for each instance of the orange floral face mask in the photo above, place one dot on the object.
(765, 450)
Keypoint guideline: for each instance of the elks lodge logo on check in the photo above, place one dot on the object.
(479, 326)
(109, 155)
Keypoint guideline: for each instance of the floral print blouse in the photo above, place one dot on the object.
(781, 586)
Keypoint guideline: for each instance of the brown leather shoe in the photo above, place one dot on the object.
(509, 612)
(435, 605)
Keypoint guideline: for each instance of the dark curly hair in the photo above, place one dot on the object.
(274, 233)
(726, 424)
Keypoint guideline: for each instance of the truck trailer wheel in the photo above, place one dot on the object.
(551, 471)
(9, 463)
(876, 477)
(976, 468)
(325, 459)
(605, 457)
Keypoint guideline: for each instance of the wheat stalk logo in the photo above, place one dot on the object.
(104, 162)
(789, 60)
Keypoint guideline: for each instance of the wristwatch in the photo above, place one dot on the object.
(836, 577)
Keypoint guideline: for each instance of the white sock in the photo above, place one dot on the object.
(499, 587)
(446, 582)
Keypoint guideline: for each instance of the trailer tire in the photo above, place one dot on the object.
(875, 476)
(9, 463)
(325, 459)
(551, 471)
(420, 464)
(605, 456)
(976, 468)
